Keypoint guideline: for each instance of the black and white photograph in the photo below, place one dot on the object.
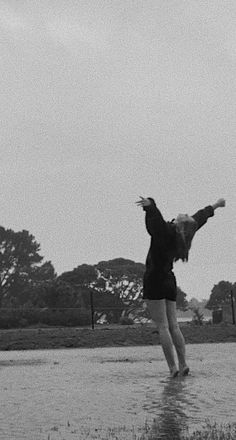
(118, 219)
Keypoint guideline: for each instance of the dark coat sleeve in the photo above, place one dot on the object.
(162, 238)
(155, 223)
(157, 227)
(202, 216)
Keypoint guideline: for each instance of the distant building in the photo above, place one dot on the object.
(217, 316)
(223, 314)
(227, 313)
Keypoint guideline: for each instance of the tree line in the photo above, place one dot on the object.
(31, 291)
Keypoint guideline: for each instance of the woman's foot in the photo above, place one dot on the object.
(184, 370)
(174, 372)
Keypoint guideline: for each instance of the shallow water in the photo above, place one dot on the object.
(59, 394)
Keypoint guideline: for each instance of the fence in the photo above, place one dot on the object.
(66, 316)
(77, 316)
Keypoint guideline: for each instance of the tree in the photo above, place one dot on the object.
(193, 303)
(82, 279)
(123, 278)
(181, 301)
(220, 294)
(115, 285)
(42, 273)
(198, 316)
(83, 275)
(20, 263)
(54, 294)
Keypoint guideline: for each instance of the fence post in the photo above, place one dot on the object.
(92, 308)
(232, 305)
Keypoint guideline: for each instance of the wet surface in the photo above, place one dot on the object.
(57, 394)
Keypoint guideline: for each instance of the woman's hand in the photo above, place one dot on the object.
(143, 202)
(219, 204)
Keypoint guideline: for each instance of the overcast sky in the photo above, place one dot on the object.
(103, 101)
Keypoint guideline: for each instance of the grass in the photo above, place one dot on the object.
(152, 432)
(107, 336)
(208, 432)
(216, 432)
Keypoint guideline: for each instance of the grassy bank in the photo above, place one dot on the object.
(152, 432)
(105, 336)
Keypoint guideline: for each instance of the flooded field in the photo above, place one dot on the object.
(76, 393)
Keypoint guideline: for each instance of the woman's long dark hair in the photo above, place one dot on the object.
(184, 234)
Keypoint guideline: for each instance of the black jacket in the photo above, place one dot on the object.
(163, 247)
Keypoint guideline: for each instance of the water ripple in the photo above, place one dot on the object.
(43, 391)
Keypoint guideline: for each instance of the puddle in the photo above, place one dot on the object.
(21, 362)
(67, 391)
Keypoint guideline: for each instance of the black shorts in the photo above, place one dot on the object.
(157, 286)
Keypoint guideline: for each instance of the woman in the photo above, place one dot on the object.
(170, 241)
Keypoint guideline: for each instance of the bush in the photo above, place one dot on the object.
(198, 316)
(23, 323)
(125, 320)
(19, 317)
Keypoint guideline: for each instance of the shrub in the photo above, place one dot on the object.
(19, 317)
(125, 320)
(198, 316)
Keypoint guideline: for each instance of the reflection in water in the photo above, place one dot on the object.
(172, 419)
(69, 385)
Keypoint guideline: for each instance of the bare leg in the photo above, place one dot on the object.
(157, 309)
(177, 336)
